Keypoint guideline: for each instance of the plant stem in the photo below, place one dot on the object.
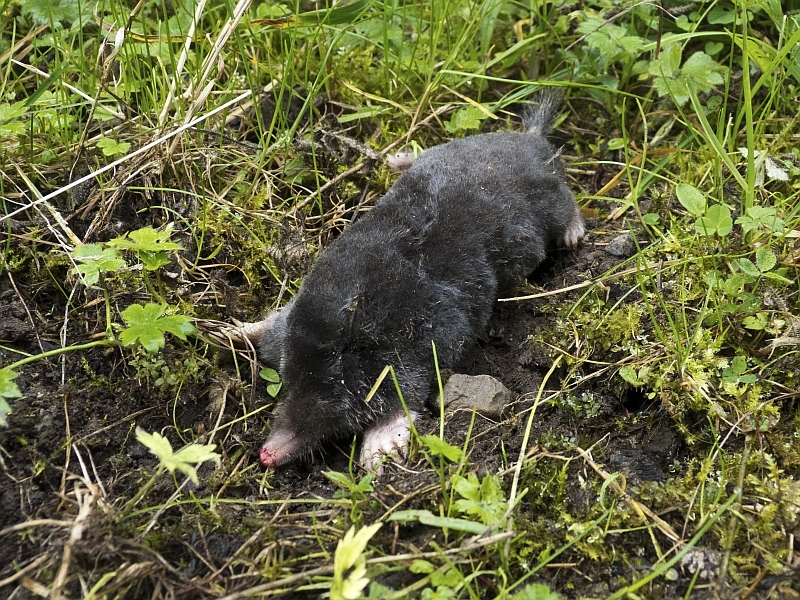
(57, 351)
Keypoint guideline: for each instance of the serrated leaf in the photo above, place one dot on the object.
(112, 147)
(691, 199)
(765, 259)
(465, 119)
(146, 325)
(43, 12)
(96, 259)
(439, 447)
(717, 221)
(757, 322)
(700, 73)
(349, 557)
(703, 71)
(146, 239)
(484, 500)
(184, 460)
(8, 389)
(668, 63)
(760, 216)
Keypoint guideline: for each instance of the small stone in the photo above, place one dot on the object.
(482, 392)
(622, 246)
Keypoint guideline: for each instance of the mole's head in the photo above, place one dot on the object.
(324, 383)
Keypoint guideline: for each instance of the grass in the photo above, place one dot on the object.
(249, 136)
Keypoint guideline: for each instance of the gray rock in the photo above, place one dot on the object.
(482, 392)
(622, 246)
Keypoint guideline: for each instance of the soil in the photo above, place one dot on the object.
(71, 463)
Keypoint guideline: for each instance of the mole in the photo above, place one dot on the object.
(465, 221)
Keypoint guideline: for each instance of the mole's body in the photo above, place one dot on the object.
(468, 219)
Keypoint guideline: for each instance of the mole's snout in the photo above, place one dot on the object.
(281, 447)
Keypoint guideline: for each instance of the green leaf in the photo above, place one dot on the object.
(95, 259)
(363, 486)
(748, 268)
(147, 239)
(445, 580)
(350, 559)
(484, 500)
(765, 259)
(465, 119)
(691, 199)
(272, 376)
(343, 13)
(146, 325)
(721, 15)
(8, 389)
(717, 221)
(760, 216)
(112, 147)
(421, 567)
(703, 72)
(536, 591)
(778, 276)
(668, 63)
(426, 517)
(758, 322)
(9, 118)
(629, 374)
(4, 410)
(151, 246)
(439, 447)
(184, 460)
(700, 73)
(42, 12)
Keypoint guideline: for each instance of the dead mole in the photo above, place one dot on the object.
(466, 220)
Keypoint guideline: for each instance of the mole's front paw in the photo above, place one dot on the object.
(390, 436)
(574, 231)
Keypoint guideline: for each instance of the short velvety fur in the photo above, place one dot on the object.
(470, 218)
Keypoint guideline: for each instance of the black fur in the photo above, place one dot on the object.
(469, 219)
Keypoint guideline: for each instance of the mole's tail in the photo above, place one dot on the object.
(540, 116)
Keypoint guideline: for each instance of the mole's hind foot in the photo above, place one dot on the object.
(390, 436)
